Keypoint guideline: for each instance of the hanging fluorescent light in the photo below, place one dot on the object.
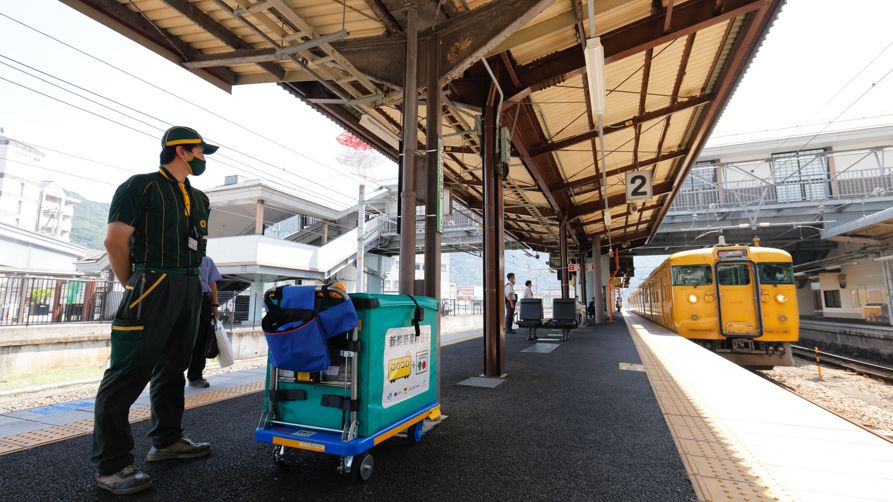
(595, 73)
(607, 215)
(382, 132)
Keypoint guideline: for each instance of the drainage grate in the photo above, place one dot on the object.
(486, 382)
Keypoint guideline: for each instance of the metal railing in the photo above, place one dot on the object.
(30, 300)
(459, 219)
(456, 307)
(847, 184)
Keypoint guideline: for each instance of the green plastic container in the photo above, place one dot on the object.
(396, 372)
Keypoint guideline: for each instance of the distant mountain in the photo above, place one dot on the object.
(89, 223)
(467, 270)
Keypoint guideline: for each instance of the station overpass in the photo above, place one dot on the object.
(780, 192)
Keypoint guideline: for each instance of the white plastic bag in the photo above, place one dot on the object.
(224, 346)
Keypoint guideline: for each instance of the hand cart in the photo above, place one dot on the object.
(320, 411)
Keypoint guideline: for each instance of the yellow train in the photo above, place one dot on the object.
(738, 301)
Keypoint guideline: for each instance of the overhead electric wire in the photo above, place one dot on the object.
(165, 122)
(174, 95)
(104, 182)
(217, 160)
(844, 86)
(258, 172)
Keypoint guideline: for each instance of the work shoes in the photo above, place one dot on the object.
(126, 481)
(182, 449)
(201, 383)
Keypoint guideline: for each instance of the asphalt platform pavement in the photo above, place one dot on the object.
(564, 425)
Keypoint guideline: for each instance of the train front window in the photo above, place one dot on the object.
(691, 275)
(733, 275)
(776, 273)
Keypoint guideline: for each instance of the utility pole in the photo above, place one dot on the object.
(361, 238)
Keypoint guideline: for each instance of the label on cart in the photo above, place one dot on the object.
(406, 362)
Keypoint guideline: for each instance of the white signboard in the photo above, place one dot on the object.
(638, 185)
(590, 267)
(407, 364)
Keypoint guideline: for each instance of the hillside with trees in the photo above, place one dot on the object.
(89, 223)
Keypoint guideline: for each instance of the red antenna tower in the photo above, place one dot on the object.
(349, 140)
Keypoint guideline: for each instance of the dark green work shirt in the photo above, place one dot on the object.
(154, 205)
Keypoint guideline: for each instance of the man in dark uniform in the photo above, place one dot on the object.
(155, 243)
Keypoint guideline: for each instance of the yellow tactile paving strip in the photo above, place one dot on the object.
(719, 467)
(52, 434)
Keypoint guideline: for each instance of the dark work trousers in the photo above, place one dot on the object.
(509, 317)
(197, 364)
(152, 338)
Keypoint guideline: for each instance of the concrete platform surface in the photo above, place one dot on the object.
(742, 437)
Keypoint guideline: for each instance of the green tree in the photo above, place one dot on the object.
(89, 223)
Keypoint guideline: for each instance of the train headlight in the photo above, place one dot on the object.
(781, 298)
(693, 298)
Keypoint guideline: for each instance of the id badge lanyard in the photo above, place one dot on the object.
(192, 242)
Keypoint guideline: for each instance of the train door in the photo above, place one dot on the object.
(736, 290)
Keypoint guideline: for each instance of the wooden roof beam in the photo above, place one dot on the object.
(751, 33)
(623, 124)
(614, 200)
(639, 36)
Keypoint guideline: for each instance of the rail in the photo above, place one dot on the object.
(882, 372)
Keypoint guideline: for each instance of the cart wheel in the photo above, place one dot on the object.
(415, 433)
(279, 456)
(361, 467)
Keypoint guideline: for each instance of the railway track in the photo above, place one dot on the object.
(879, 371)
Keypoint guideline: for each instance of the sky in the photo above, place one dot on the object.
(817, 60)
(239, 122)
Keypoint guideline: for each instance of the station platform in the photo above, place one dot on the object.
(742, 437)
(621, 411)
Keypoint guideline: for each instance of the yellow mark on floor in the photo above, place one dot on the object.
(53, 434)
(632, 367)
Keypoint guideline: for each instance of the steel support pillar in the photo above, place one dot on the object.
(597, 291)
(410, 145)
(581, 277)
(361, 244)
(434, 196)
(888, 282)
(494, 247)
(562, 243)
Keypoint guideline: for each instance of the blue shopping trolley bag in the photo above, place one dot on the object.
(300, 320)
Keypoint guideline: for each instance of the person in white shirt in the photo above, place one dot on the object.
(510, 299)
(528, 290)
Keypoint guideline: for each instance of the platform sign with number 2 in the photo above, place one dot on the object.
(638, 185)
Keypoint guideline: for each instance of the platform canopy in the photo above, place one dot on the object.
(671, 66)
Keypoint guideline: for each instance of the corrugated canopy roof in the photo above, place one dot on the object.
(671, 67)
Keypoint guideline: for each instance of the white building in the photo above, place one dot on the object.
(28, 203)
(392, 280)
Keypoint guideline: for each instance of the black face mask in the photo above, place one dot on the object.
(197, 164)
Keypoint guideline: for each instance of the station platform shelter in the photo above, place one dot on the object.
(567, 126)
(622, 411)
